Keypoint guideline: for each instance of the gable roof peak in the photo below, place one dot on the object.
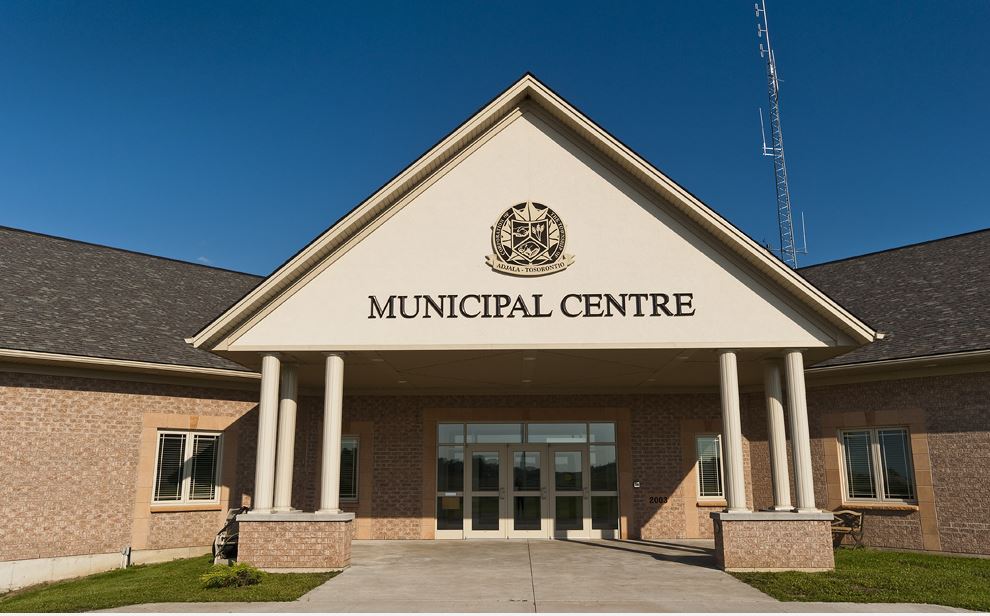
(456, 142)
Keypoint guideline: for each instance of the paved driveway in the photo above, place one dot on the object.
(527, 576)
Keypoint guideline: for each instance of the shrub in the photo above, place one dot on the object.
(238, 574)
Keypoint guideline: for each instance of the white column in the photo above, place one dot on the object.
(333, 413)
(264, 464)
(735, 484)
(285, 456)
(776, 437)
(797, 406)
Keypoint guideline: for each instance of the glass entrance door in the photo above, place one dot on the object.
(484, 499)
(531, 480)
(571, 493)
(528, 492)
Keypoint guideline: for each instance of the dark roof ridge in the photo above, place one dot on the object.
(894, 248)
(126, 250)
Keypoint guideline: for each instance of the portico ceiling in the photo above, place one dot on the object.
(533, 371)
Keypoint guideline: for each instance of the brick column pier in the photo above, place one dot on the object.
(774, 541)
(295, 542)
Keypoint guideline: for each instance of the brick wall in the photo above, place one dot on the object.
(69, 458)
(71, 474)
(398, 462)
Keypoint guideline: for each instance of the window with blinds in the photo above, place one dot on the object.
(187, 467)
(877, 464)
(349, 468)
(168, 475)
(858, 448)
(709, 451)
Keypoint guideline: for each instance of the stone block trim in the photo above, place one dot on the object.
(773, 545)
(314, 545)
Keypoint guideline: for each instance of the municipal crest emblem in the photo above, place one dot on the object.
(528, 240)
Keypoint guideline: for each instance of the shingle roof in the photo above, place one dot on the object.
(928, 299)
(69, 297)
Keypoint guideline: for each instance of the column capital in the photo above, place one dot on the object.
(339, 354)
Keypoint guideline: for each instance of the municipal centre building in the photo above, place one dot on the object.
(530, 332)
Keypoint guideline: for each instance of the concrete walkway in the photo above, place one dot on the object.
(533, 576)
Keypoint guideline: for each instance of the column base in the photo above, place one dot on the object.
(774, 541)
(283, 542)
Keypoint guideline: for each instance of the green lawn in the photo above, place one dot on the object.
(875, 576)
(173, 581)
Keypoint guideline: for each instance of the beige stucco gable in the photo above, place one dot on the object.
(626, 242)
(673, 218)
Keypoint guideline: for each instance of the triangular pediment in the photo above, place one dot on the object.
(624, 257)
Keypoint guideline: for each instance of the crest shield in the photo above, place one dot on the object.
(528, 239)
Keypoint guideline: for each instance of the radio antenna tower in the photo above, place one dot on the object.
(788, 246)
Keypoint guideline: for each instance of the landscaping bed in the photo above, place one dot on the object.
(878, 576)
(175, 581)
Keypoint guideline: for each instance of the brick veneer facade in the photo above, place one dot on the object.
(72, 448)
(69, 460)
(955, 412)
(396, 510)
(302, 545)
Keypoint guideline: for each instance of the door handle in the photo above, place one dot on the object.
(501, 493)
(543, 493)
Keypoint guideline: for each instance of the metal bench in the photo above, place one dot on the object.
(225, 543)
(847, 523)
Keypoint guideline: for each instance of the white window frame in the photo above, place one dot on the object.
(187, 452)
(878, 470)
(357, 468)
(697, 468)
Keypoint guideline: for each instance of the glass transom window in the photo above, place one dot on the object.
(600, 432)
(557, 433)
(494, 433)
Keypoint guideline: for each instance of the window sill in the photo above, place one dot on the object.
(881, 506)
(185, 508)
(711, 503)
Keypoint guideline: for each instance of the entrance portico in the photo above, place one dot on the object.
(525, 471)
(532, 275)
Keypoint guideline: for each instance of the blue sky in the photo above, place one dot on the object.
(235, 132)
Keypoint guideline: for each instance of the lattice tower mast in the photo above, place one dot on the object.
(788, 247)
